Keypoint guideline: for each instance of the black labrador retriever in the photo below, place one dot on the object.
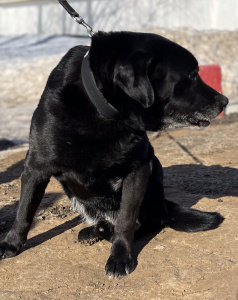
(89, 132)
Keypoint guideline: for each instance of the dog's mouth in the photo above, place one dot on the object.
(197, 121)
(192, 123)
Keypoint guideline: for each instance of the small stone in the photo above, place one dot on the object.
(40, 218)
(159, 247)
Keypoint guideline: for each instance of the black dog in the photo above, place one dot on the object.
(100, 153)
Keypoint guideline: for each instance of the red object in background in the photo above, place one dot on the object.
(211, 75)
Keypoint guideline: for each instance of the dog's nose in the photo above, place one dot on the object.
(223, 100)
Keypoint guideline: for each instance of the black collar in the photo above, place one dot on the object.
(97, 98)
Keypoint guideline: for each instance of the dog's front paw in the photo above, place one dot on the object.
(8, 250)
(117, 267)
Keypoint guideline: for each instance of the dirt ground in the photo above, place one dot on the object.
(201, 170)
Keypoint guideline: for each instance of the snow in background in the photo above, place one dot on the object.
(25, 63)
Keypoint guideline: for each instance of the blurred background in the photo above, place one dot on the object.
(200, 167)
(34, 35)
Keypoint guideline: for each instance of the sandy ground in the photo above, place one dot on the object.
(200, 171)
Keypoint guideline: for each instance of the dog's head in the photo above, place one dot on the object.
(158, 75)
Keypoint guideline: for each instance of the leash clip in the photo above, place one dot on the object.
(76, 16)
(81, 21)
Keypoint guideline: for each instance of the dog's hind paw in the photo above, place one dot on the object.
(88, 236)
(90, 242)
(116, 268)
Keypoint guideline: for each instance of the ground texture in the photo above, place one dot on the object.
(201, 170)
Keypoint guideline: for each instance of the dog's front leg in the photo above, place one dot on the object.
(33, 184)
(134, 187)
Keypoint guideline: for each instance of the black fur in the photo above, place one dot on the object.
(107, 167)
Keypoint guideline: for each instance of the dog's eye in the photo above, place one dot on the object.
(193, 75)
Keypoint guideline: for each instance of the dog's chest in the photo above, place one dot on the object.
(98, 170)
(87, 185)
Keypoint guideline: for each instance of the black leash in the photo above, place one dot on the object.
(76, 16)
(97, 98)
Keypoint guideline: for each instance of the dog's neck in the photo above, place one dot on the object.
(102, 105)
(132, 117)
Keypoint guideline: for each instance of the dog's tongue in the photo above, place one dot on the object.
(203, 123)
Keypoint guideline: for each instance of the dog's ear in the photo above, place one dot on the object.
(131, 75)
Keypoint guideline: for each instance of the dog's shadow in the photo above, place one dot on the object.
(198, 181)
(187, 184)
(12, 173)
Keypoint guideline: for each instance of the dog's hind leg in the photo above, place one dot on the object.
(103, 230)
(191, 220)
(156, 212)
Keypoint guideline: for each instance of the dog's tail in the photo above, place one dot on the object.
(191, 220)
